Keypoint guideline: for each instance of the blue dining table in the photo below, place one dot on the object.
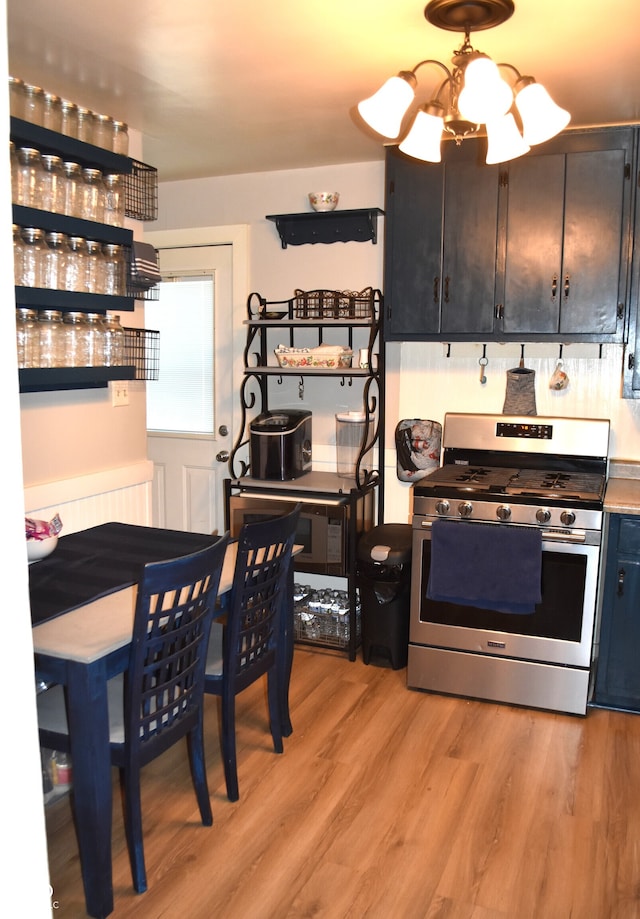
(82, 606)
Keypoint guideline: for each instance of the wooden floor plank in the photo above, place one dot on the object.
(386, 803)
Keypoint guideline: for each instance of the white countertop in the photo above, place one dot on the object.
(623, 488)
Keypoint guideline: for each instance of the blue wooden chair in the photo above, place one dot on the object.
(256, 638)
(160, 698)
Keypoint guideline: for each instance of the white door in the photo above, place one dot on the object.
(188, 441)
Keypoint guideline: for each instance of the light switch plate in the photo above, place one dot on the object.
(119, 392)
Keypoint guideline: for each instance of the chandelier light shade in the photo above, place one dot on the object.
(473, 93)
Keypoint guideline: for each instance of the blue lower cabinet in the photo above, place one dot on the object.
(617, 682)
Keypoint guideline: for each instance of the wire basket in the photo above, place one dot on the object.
(333, 304)
(141, 192)
(142, 351)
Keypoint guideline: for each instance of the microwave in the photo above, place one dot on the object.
(324, 526)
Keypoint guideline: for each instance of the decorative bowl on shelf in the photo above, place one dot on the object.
(324, 200)
(273, 314)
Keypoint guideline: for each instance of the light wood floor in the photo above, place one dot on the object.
(387, 803)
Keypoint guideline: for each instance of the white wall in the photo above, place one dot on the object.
(422, 381)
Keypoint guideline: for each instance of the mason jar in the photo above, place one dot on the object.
(114, 270)
(51, 338)
(73, 189)
(85, 125)
(18, 254)
(114, 201)
(76, 275)
(95, 267)
(33, 103)
(52, 184)
(16, 97)
(33, 257)
(27, 338)
(103, 131)
(93, 195)
(52, 112)
(94, 335)
(76, 350)
(113, 341)
(13, 158)
(68, 118)
(55, 261)
(120, 138)
(29, 174)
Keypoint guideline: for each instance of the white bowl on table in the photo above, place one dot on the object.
(40, 548)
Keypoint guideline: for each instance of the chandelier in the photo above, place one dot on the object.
(475, 92)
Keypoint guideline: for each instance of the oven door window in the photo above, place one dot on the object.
(559, 615)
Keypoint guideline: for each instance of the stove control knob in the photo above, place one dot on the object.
(543, 515)
(568, 518)
(442, 507)
(503, 512)
(465, 509)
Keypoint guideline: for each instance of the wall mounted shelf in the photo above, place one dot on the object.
(47, 379)
(360, 225)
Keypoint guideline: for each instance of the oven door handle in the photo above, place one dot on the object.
(577, 536)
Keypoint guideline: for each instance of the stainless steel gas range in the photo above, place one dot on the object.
(506, 558)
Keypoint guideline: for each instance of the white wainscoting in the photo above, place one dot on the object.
(123, 494)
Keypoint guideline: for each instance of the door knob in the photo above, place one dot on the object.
(223, 456)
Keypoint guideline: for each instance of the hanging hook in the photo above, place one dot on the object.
(521, 356)
(560, 354)
(301, 388)
(483, 361)
(448, 354)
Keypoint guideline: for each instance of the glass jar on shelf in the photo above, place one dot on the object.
(52, 184)
(76, 349)
(93, 195)
(114, 270)
(95, 267)
(103, 131)
(55, 261)
(113, 342)
(94, 336)
(114, 200)
(73, 189)
(52, 112)
(51, 338)
(27, 338)
(33, 257)
(76, 275)
(13, 158)
(18, 254)
(29, 175)
(120, 138)
(16, 97)
(33, 103)
(68, 118)
(85, 125)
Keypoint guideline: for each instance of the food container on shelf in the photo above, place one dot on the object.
(350, 430)
(324, 357)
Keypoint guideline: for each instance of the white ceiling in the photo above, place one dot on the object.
(222, 87)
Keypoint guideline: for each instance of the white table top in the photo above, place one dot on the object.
(92, 631)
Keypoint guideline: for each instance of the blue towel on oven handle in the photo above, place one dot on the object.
(486, 565)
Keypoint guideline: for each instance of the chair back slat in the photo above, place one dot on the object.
(258, 595)
(174, 611)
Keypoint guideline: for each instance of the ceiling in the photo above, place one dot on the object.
(219, 87)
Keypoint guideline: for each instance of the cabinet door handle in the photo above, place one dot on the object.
(567, 287)
(436, 289)
(446, 289)
(554, 286)
(621, 575)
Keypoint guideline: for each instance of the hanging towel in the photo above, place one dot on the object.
(486, 565)
(144, 265)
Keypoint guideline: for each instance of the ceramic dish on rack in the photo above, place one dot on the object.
(324, 357)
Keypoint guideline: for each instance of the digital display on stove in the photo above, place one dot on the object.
(530, 431)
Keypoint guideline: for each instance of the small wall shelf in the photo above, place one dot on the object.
(360, 225)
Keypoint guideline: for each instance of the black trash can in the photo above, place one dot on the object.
(383, 577)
